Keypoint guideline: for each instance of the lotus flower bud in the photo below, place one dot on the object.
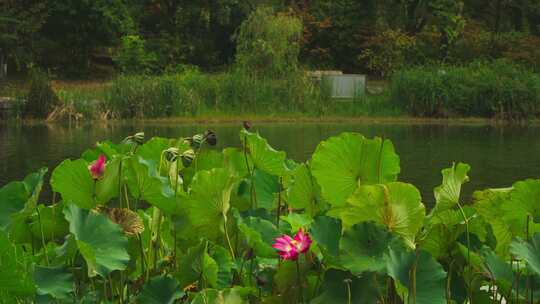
(97, 169)
(171, 154)
(187, 157)
(211, 137)
(247, 125)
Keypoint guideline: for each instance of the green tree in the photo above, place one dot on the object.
(268, 44)
(20, 22)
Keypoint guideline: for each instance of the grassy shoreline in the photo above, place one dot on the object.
(289, 119)
(480, 93)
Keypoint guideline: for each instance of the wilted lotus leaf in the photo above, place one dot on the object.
(130, 222)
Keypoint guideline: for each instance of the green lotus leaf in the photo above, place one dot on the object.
(265, 188)
(528, 251)
(209, 202)
(100, 241)
(13, 198)
(225, 266)
(162, 289)
(73, 181)
(14, 277)
(327, 232)
(53, 224)
(297, 221)
(152, 149)
(205, 160)
(18, 230)
(286, 280)
(505, 220)
(395, 205)
(235, 160)
(109, 148)
(235, 295)
(303, 191)
(448, 193)
(263, 156)
(444, 228)
(146, 184)
(259, 234)
(526, 198)
(498, 271)
(340, 287)
(34, 183)
(423, 278)
(54, 281)
(18, 199)
(362, 248)
(197, 265)
(342, 163)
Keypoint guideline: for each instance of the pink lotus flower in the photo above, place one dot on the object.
(97, 169)
(303, 241)
(289, 248)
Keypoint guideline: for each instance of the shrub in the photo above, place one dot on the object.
(40, 99)
(386, 52)
(485, 89)
(133, 58)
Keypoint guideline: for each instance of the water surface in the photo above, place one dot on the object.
(498, 155)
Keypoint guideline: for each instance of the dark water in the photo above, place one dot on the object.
(498, 155)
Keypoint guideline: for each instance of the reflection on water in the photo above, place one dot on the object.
(498, 155)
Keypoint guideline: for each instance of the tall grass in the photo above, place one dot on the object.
(483, 89)
(192, 93)
(40, 99)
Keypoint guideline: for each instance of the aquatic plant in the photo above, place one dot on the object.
(174, 220)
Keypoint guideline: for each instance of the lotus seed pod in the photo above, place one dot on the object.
(196, 141)
(171, 154)
(211, 137)
(187, 157)
(139, 138)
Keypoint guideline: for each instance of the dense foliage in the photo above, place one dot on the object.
(78, 37)
(172, 220)
(495, 90)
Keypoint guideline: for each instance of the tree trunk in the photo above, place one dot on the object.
(497, 25)
(3, 65)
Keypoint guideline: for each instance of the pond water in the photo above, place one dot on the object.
(498, 155)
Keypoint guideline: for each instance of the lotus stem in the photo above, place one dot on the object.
(120, 183)
(143, 256)
(466, 219)
(158, 238)
(126, 197)
(42, 235)
(299, 282)
(528, 280)
(252, 198)
(349, 295)
(176, 173)
(278, 211)
(227, 237)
